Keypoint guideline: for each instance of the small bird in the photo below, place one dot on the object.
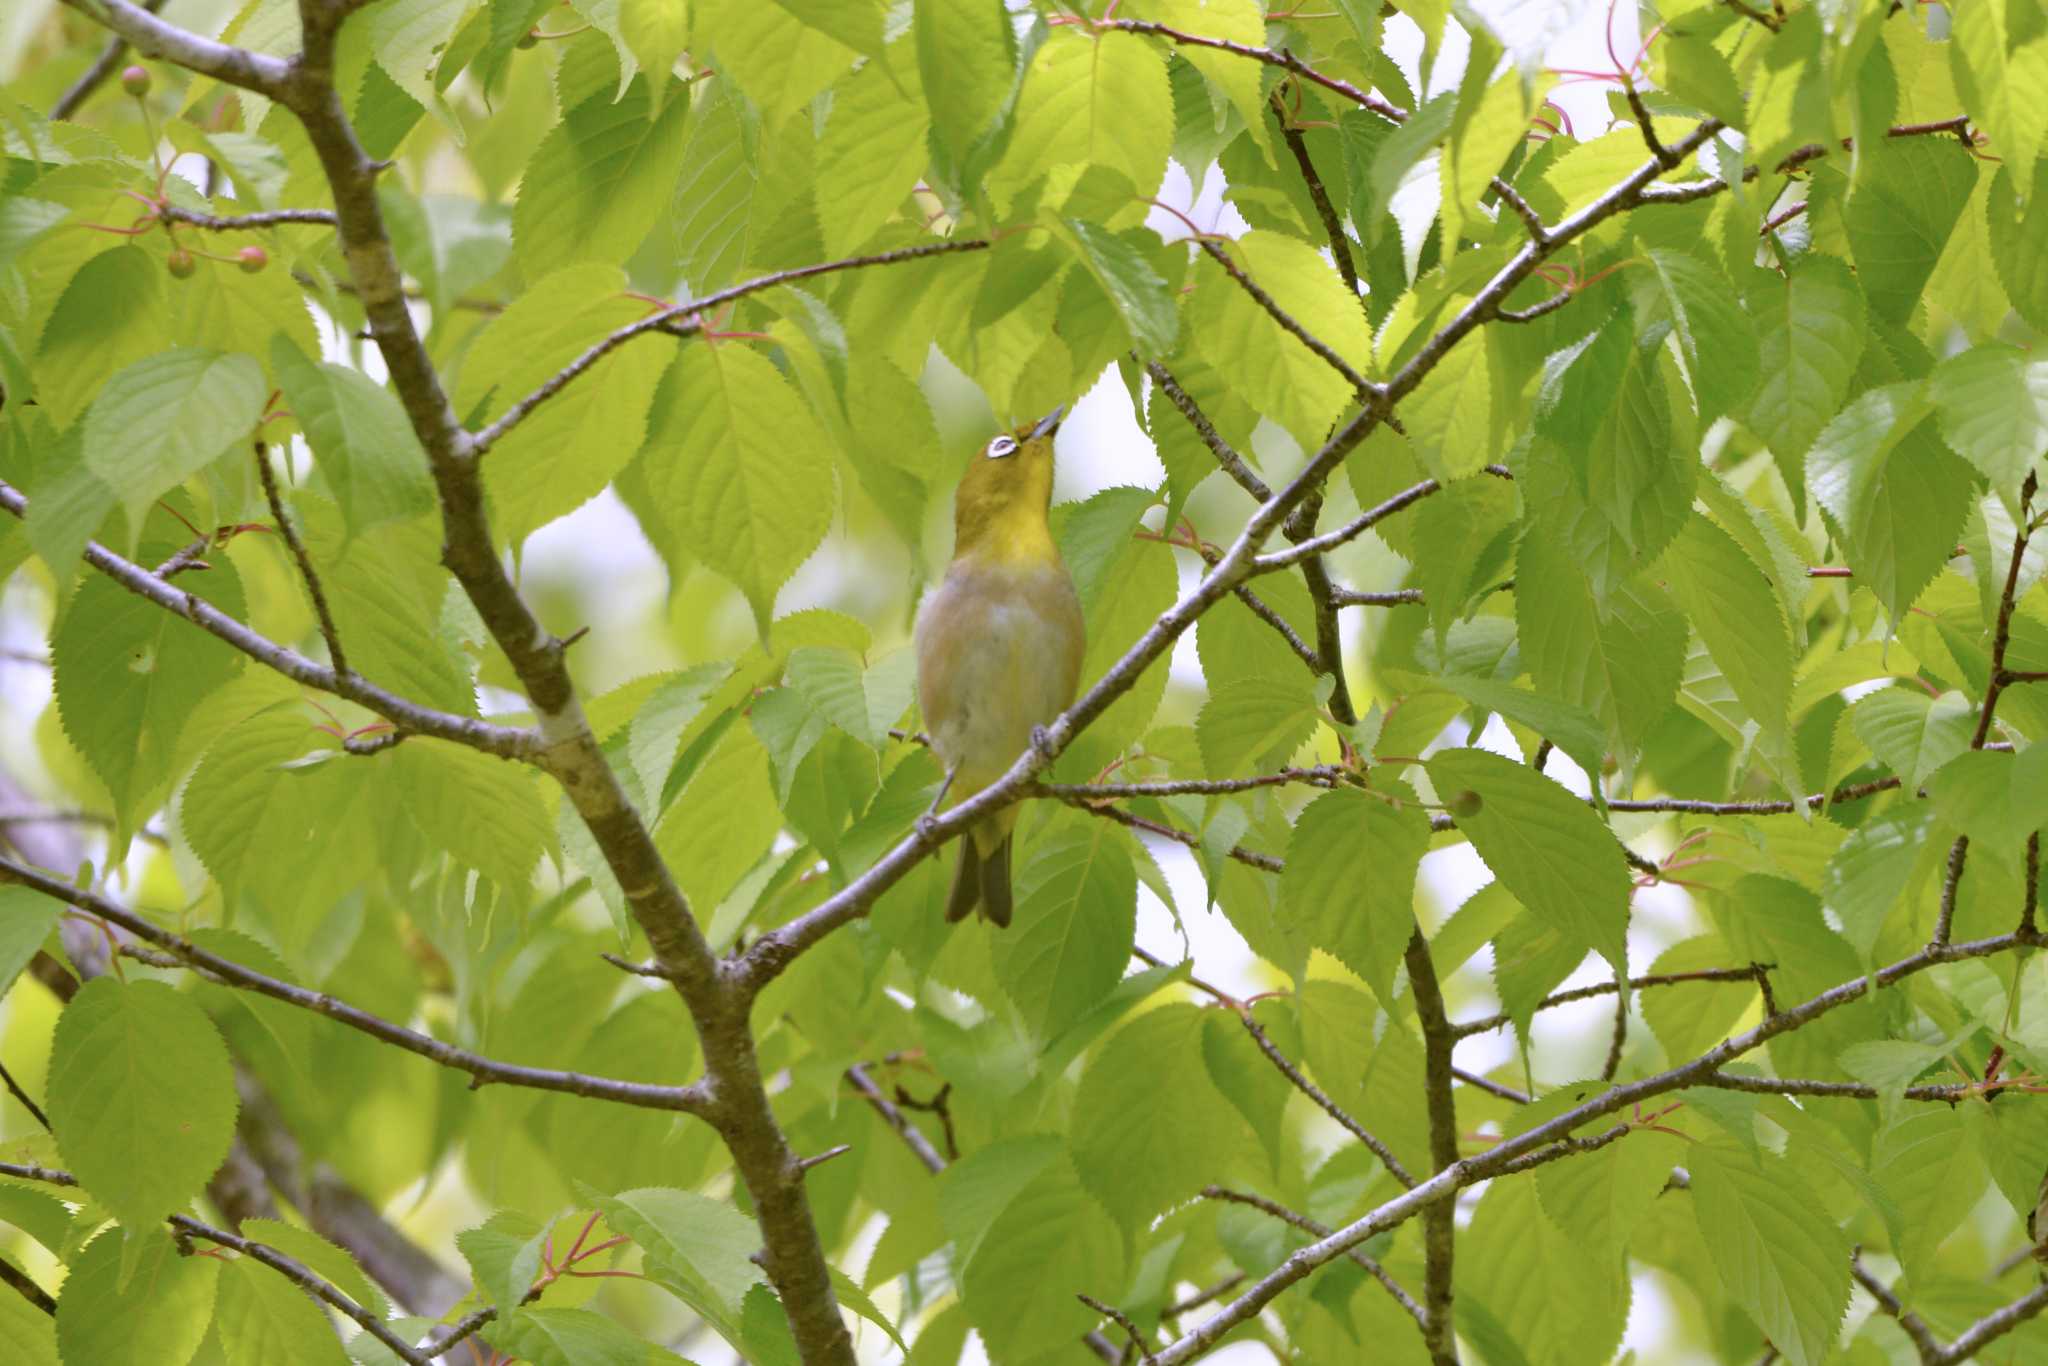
(999, 646)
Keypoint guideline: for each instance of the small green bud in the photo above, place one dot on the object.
(181, 263)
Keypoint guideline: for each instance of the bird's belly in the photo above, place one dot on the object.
(1006, 672)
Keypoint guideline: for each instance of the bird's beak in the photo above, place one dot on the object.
(1048, 424)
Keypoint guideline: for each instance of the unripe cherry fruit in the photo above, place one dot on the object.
(135, 80)
(252, 259)
(181, 263)
(1464, 804)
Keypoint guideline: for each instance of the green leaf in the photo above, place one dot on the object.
(1716, 338)
(1692, 1018)
(1996, 798)
(739, 466)
(112, 314)
(330, 1262)
(656, 32)
(1778, 1252)
(1076, 907)
(871, 152)
(1572, 729)
(778, 58)
(130, 675)
(167, 417)
(1453, 413)
(1909, 193)
(1464, 540)
(723, 821)
(26, 919)
(1564, 1298)
(1545, 845)
(967, 56)
(1911, 733)
(1254, 720)
(142, 1097)
(1893, 492)
(696, 1248)
(713, 213)
(27, 1335)
(1142, 299)
(1736, 613)
(1926, 1161)
(2019, 242)
(504, 1256)
(573, 444)
(2002, 76)
(1812, 332)
(1018, 1285)
(1326, 892)
(1270, 369)
(1993, 403)
(1150, 1126)
(569, 1337)
(1621, 662)
(1088, 100)
(1867, 877)
(155, 1315)
(446, 785)
(359, 434)
(599, 182)
(863, 702)
(262, 1318)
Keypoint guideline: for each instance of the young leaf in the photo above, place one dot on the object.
(154, 1315)
(168, 416)
(1076, 907)
(1545, 845)
(142, 1097)
(1363, 917)
(1778, 1253)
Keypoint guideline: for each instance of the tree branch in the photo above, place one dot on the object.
(1664, 979)
(94, 76)
(152, 37)
(1286, 61)
(1123, 1321)
(504, 741)
(668, 319)
(244, 222)
(683, 1099)
(307, 573)
(1320, 1230)
(1439, 1220)
(1333, 228)
(1288, 323)
(1552, 1139)
(25, 1286)
(1322, 1100)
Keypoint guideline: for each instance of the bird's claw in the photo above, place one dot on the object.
(1041, 743)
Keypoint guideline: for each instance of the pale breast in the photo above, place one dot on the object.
(999, 651)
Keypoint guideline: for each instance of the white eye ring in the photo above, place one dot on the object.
(1002, 446)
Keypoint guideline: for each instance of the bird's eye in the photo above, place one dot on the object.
(1002, 446)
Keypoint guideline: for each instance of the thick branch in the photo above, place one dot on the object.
(244, 222)
(94, 76)
(152, 37)
(1439, 1220)
(686, 1099)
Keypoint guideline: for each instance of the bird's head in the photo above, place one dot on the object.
(1004, 494)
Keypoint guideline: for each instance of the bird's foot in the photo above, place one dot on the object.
(1041, 743)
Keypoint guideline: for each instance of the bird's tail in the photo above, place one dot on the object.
(982, 880)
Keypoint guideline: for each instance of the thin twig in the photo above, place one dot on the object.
(243, 222)
(1123, 1321)
(94, 76)
(681, 320)
(1288, 322)
(920, 1146)
(1333, 227)
(307, 573)
(27, 1102)
(24, 1285)
(1320, 1230)
(1658, 979)
(482, 1070)
(1924, 1342)
(1491, 1087)
(1322, 1099)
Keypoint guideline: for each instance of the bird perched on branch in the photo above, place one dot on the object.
(999, 647)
